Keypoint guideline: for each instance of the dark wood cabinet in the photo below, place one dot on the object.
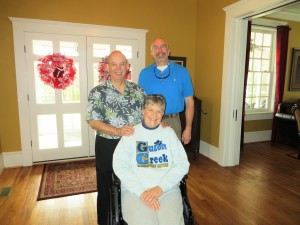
(194, 144)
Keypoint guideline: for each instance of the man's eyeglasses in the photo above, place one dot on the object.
(156, 47)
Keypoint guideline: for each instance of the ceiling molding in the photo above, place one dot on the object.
(286, 16)
(268, 22)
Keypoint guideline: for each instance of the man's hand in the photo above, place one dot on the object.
(127, 130)
(186, 136)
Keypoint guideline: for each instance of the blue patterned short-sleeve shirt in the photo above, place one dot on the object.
(107, 104)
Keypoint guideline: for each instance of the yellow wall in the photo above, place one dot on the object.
(175, 20)
(258, 125)
(294, 42)
(209, 65)
(194, 28)
(0, 145)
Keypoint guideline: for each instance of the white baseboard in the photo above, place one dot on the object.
(12, 159)
(213, 152)
(209, 151)
(15, 159)
(257, 136)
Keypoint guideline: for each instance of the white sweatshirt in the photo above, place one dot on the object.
(149, 158)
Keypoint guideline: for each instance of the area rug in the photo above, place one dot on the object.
(68, 178)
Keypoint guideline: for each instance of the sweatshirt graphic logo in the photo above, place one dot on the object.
(151, 155)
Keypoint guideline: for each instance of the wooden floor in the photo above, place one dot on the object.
(264, 189)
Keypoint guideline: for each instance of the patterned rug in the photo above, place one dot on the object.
(68, 178)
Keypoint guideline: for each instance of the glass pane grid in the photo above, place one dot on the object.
(258, 89)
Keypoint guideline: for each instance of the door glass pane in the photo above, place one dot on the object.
(44, 94)
(101, 50)
(47, 131)
(72, 93)
(126, 50)
(72, 130)
(41, 47)
(69, 48)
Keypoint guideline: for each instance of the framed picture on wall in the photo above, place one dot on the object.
(179, 60)
(295, 70)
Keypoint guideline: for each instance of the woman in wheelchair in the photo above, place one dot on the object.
(150, 165)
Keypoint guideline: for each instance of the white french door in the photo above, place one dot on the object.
(98, 48)
(52, 122)
(57, 117)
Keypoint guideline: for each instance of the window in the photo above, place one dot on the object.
(261, 74)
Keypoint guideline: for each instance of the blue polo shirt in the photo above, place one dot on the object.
(174, 83)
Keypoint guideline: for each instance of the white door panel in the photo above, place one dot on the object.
(57, 117)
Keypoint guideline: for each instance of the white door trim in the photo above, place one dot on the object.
(233, 74)
(21, 25)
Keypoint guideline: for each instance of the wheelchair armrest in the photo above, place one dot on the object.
(187, 210)
(183, 186)
(115, 180)
(185, 177)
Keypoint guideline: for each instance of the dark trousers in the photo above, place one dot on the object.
(104, 149)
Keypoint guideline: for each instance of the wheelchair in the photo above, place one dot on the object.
(115, 212)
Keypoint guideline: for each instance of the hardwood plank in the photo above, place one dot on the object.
(263, 189)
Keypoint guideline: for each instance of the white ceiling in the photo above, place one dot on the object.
(290, 12)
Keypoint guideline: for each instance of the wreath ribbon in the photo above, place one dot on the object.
(57, 70)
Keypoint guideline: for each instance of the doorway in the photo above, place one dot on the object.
(237, 16)
(52, 121)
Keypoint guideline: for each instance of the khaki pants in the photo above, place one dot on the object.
(175, 123)
(135, 212)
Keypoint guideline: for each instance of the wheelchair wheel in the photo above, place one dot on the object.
(187, 212)
(114, 214)
(110, 213)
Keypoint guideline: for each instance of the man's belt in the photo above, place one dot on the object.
(170, 115)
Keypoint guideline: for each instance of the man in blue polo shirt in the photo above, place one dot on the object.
(173, 81)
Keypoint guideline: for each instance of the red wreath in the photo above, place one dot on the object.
(103, 72)
(57, 71)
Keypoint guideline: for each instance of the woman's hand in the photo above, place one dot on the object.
(150, 197)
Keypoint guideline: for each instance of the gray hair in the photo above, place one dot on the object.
(156, 99)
